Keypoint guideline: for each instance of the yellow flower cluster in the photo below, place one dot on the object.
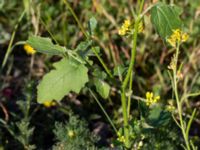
(170, 108)
(29, 50)
(150, 99)
(49, 104)
(125, 27)
(140, 27)
(177, 37)
(71, 133)
(121, 139)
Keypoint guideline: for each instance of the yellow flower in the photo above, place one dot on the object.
(71, 133)
(170, 108)
(185, 37)
(121, 139)
(151, 99)
(127, 23)
(29, 50)
(177, 37)
(49, 104)
(125, 27)
(121, 32)
(140, 27)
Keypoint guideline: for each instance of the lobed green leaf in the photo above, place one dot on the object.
(69, 75)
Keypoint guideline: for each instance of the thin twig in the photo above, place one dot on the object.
(4, 111)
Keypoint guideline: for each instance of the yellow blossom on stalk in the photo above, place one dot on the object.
(170, 108)
(125, 27)
(49, 104)
(177, 37)
(151, 99)
(29, 50)
(71, 133)
(140, 27)
(121, 139)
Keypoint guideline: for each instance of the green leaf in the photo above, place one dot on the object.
(84, 45)
(99, 74)
(158, 117)
(84, 49)
(102, 88)
(92, 25)
(165, 18)
(69, 75)
(45, 45)
(178, 9)
(119, 70)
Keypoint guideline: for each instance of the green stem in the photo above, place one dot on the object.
(50, 33)
(146, 10)
(128, 77)
(76, 18)
(125, 117)
(88, 37)
(124, 85)
(178, 102)
(9, 49)
(190, 122)
(133, 52)
(105, 113)
(130, 93)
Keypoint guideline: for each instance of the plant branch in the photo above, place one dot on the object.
(105, 113)
(87, 37)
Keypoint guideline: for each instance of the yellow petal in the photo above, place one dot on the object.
(29, 50)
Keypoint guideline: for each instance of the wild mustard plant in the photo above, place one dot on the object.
(175, 40)
(74, 63)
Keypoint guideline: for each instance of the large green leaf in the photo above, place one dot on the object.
(165, 18)
(45, 45)
(69, 75)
